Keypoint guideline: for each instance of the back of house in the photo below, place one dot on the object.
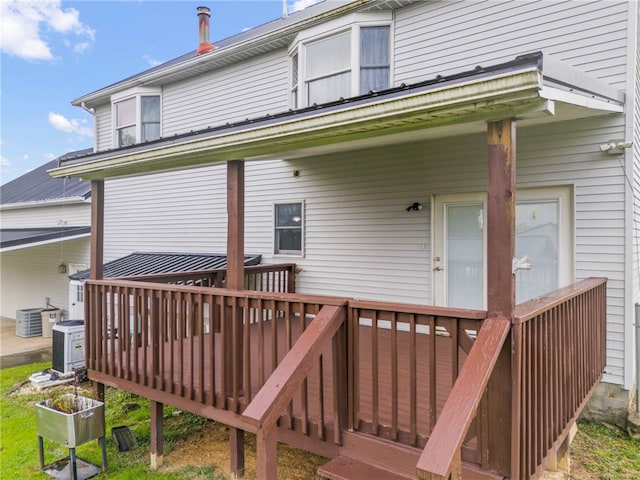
(362, 126)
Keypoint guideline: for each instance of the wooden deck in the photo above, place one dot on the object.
(377, 382)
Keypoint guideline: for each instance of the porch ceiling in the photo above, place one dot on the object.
(440, 107)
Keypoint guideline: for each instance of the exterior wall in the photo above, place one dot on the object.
(103, 129)
(31, 274)
(439, 38)
(249, 89)
(360, 241)
(75, 215)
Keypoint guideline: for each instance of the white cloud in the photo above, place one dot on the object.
(4, 162)
(49, 156)
(301, 5)
(59, 122)
(24, 25)
(151, 61)
(26, 156)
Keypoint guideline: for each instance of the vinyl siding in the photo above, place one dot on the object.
(104, 133)
(447, 37)
(31, 274)
(359, 240)
(247, 90)
(74, 215)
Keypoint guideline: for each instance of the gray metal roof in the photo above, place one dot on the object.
(149, 263)
(13, 238)
(37, 185)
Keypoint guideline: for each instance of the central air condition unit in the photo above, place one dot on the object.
(68, 346)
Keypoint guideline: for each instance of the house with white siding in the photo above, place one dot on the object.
(457, 184)
(44, 228)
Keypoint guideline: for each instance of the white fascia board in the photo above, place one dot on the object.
(46, 203)
(433, 106)
(44, 242)
(572, 98)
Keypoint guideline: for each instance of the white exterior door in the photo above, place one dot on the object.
(76, 294)
(459, 267)
(544, 233)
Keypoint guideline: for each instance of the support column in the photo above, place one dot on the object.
(235, 281)
(501, 217)
(157, 440)
(96, 262)
(501, 212)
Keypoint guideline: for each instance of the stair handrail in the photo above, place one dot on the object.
(268, 404)
(441, 457)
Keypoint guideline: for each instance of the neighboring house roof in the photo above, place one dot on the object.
(16, 238)
(149, 263)
(38, 186)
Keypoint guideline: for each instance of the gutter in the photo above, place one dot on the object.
(46, 203)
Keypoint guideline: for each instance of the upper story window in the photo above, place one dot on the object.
(136, 117)
(352, 60)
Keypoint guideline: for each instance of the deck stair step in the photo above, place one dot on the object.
(345, 468)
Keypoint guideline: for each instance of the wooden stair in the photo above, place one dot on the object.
(345, 468)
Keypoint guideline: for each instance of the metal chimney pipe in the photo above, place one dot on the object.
(203, 28)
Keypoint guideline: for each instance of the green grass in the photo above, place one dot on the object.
(19, 445)
(604, 453)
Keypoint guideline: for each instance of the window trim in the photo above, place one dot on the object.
(137, 93)
(352, 23)
(288, 253)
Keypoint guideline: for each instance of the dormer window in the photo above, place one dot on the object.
(136, 118)
(349, 62)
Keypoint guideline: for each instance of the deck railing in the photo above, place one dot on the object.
(215, 347)
(317, 366)
(557, 351)
(559, 343)
(404, 362)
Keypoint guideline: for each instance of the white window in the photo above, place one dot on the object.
(288, 228)
(137, 117)
(348, 63)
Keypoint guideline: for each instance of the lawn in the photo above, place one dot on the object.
(197, 449)
(194, 447)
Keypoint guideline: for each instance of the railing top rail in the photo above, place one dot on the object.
(532, 308)
(287, 297)
(419, 309)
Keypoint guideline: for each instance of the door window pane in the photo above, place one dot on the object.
(537, 237)
(465, 255)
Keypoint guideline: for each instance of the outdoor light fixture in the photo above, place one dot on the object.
(415, 206)
(615, 146)
(62, 268)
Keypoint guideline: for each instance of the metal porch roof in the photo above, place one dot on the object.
(17, 238)
(150, 263)
(525, 87)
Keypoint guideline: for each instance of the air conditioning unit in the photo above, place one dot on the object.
(68, 346)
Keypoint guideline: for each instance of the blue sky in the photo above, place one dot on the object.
(53, 51)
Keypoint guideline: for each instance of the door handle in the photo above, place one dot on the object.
(438, 269)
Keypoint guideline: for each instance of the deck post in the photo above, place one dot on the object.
(96, 262)
(157, 441)
(266, 453)
(501, 210)
(235, 281)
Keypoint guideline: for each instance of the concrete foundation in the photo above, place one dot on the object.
(609, 404)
